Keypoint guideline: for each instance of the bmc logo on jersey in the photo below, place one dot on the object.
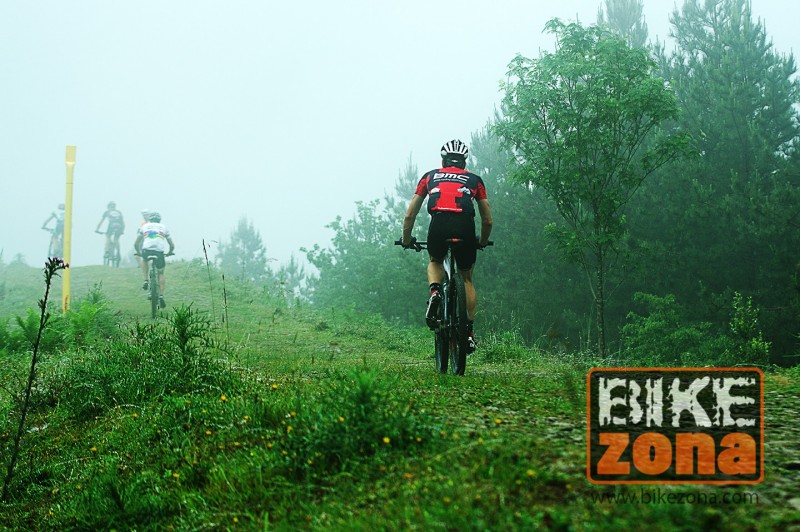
(675, 426)
(447, 176)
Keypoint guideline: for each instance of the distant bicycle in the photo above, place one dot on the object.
(56, 247)
(154, 291)
(111, 255)
(450, 332)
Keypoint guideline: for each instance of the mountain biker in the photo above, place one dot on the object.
(451, 190)
(115, 228)
(152, 240)
(57, 232)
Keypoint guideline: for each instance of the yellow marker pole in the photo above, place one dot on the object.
(68, 227)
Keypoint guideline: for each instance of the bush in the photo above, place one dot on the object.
(152, 361)
(664, 337)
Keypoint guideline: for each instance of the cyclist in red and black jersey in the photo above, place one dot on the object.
(451, 191)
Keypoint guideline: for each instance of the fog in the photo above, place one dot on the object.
(287, 113)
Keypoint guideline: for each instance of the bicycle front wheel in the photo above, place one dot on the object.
(458, 331)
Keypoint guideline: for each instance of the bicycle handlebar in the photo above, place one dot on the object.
(165, 254)
(419, 245)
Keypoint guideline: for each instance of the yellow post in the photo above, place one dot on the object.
(68, 227)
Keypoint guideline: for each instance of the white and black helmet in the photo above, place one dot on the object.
(455, 147)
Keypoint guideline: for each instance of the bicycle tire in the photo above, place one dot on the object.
(441, 342)
(56, 248)
(441, 334)
(154, 291)
(458, 335)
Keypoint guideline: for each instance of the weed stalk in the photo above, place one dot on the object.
(51, 269)
(210, 286)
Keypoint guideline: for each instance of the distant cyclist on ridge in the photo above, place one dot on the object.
(451, 190)
(115, 228)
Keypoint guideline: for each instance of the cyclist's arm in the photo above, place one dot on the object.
(137, 244)
(411, 216)
(103, 219)
(44, 225)
(171, 246)
(486, 221)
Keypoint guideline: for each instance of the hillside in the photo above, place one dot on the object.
(235, 410)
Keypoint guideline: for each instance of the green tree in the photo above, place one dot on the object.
(727, 220)
(362, 267)
(291, 280)
(578, 120)
(244, 256)
(523, 283)
(625, 18)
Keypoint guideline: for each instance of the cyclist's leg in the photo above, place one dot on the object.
(113, 251)
(435, 271)
(145, 268)
(162, 281)
(160, 266)
(469, 292)
(437, 249)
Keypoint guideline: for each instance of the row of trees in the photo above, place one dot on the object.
(637, 169)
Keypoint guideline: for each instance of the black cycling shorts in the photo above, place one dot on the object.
(160, 263)
(115, 230)
(446, 225)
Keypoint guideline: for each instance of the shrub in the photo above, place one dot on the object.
(664, 336)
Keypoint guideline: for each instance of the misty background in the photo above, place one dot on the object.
(285, 113)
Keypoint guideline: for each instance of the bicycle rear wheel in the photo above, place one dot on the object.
(154, 292)
(441, 336)
(442, 343)
(458, 331)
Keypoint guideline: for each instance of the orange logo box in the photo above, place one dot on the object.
(675, 426)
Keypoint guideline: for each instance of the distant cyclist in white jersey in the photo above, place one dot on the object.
(153, 239)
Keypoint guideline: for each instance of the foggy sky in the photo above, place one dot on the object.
(287, 113)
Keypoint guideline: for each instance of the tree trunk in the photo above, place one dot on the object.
(600, 302)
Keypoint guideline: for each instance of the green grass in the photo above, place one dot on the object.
(253, 415)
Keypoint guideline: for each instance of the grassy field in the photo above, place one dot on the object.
(236, 411)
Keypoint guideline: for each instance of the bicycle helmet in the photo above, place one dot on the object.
(155, 217)
(454, 148)
(111, 205)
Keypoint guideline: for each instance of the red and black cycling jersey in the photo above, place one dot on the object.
(451, 189)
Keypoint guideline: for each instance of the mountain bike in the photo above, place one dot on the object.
(154, 291)
(111, 256)
(56, 247)
(451, 338)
